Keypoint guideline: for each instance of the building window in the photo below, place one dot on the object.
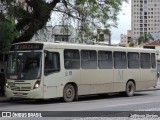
(145, 13)
(63, 38)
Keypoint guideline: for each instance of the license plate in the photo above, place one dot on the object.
(19, 94)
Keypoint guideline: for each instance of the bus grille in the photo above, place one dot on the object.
(16, 88)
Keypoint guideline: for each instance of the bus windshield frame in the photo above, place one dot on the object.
(24, 65)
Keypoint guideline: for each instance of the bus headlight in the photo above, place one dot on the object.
(37, 84)
(7, 85)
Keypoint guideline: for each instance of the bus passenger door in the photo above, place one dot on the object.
(52, 74)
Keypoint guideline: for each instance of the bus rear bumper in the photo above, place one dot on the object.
(32, 94)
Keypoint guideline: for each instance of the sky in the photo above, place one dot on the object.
(124, 23)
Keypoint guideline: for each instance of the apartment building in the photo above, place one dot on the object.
(125, 38)
(145, 17)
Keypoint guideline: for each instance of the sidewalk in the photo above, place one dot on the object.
(157, 87)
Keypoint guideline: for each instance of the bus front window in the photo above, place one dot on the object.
(24, 65)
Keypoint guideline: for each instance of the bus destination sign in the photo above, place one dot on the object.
(27, 46)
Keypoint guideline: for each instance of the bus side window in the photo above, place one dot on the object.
(133, 60)
(89, 59)
(145, 60)
(105, 60)
(71, 59)
(52, 63)
(120, 61)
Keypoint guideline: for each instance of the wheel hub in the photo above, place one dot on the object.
(69, 93)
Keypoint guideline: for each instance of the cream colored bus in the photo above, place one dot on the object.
(39, 70)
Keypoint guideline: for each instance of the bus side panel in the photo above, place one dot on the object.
(96, 81)
(104, 81)
(88, 78)
(154, 78)
(72, 76)
(120, 79)
(148, 79)
(121, 76)
(135, 75)
(53, 85)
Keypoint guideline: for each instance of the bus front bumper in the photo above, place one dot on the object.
(32, 94)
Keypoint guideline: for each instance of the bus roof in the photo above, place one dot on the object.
(51, 45)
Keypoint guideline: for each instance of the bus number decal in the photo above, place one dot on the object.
(68, 73)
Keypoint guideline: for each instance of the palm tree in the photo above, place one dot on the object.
(140, 40)
(150, 37)
(145, 38)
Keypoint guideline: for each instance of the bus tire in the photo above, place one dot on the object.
(130, 88)
(68, 93)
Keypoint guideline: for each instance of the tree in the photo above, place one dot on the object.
(140, 40)
(36, 13)
(146, 37)
(150, 37)
(7, 34)
(131, 44)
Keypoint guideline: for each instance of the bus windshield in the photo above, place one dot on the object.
(24, 65)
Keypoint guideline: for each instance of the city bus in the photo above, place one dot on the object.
(44, 70)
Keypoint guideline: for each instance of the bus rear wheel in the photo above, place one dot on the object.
(68, 93)
(130, 88)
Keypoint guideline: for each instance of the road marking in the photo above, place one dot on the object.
(129, 104)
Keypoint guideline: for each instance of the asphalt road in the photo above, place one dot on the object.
(92, 106)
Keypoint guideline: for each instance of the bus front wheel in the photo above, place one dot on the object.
(68, 93)
(130, 88)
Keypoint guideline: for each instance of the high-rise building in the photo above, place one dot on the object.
(145, 17)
